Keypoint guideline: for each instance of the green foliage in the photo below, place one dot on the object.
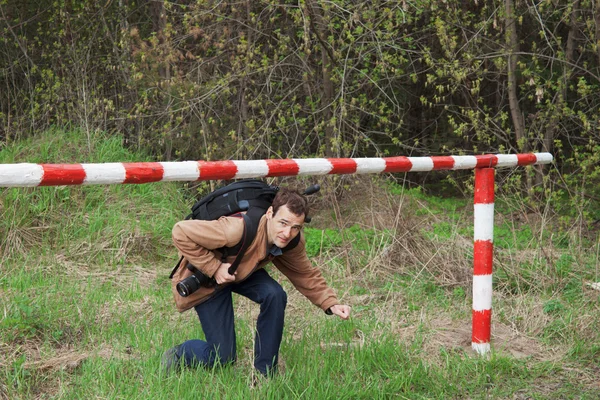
(198, 80)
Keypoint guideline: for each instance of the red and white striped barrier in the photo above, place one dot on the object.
(24, 175)
(483, 253)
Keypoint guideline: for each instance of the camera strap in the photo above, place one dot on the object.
(176, 268)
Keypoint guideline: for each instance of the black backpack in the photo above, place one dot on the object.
(252, 196)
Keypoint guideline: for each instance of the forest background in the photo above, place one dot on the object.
(219, 80)
(216, 80)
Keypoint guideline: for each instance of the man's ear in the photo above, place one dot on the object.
(270, 212)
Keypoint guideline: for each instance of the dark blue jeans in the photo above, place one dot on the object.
(216, 317)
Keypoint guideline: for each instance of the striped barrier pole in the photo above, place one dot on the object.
(483, 253)
(28, 175)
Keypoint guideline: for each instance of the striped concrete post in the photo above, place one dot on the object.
(482, 259)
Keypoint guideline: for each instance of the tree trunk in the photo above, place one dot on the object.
(553, 127)
(333, 145)
(242, 132)
(123, 48)
(513, 87)
(567, 71)
(318, 20)
(159, 24)
(597, 21)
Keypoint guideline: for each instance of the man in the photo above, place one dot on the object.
(197, 242)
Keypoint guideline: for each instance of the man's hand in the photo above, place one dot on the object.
(222, 275)
(341, 311)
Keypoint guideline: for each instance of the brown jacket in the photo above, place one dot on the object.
(197, 240)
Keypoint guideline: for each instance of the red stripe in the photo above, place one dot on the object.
(482, 326)
(217, 170)
(342, 165)
(397, 164)
(483, 255)
(526, 159)
(62, 174)
(484, 185)
(486, 161)
(143, 172)
(282, 167)
(442, 162)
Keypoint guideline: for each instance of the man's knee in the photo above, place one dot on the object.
(275, 295)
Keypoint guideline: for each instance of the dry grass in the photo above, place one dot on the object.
(65, 358)
(121, 275)
(19, 240)
(409, 251)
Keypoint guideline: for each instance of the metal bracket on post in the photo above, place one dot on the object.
(483, 253)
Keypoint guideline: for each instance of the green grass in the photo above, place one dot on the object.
(123, 327)
(361, 240)
(86, 309)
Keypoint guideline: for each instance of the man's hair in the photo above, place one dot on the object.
(295, 202)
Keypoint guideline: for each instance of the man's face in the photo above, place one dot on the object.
(283, 226)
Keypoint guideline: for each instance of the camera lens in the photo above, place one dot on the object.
(188, 286)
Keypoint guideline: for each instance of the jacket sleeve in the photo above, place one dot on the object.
(296, 266)
(196, 239)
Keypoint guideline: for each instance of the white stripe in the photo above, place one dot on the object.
(481, 348)
(543, 158)
(20, 175)
(507, 160)
(180, 171)
(369, 165)
(464, 162)
(313, 166)
(251, 169)
(421, 163)
(103, 173)
(484, 222)
(482, 292)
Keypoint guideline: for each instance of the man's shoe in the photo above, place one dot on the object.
(170, 361)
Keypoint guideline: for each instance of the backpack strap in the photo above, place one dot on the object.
(251, 220)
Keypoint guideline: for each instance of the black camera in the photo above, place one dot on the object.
(192, 283)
